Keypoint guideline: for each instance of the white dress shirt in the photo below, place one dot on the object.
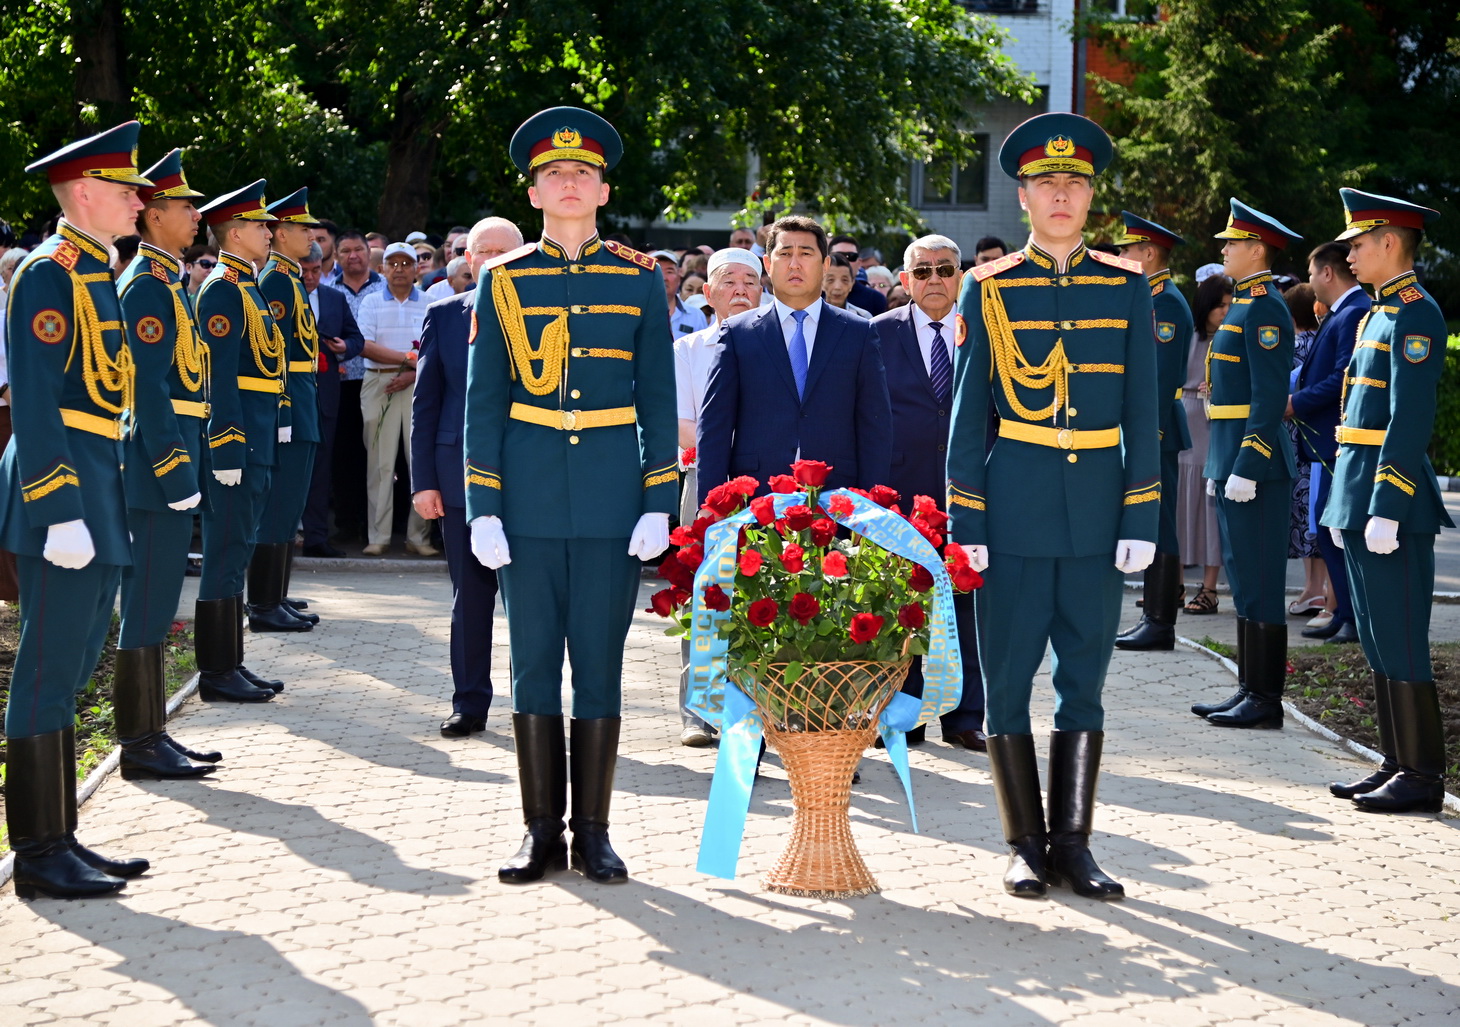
(393, 323)
(1345, 298)
(694, 355)
(923, 326)
(808, 327)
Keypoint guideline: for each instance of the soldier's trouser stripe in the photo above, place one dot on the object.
(228, 531)
(1392, 595)
(152, 585)
(64, 616)
(577, 591)
(1069, 603)
(1255, 549)
(290, 488)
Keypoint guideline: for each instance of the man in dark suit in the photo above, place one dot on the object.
(340, 340)
(1315, 405)
(438, 480)
(917, 348)
(797, 378)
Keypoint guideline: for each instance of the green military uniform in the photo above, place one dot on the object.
(72, 397)
(1249, 364)
(248, 408)
(570, 440)
(281, 287)
(1174, 329)
(1063, 354)
(1383, 471)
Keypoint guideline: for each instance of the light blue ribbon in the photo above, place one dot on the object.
(715, 699)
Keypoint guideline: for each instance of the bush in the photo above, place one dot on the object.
(1445, 444)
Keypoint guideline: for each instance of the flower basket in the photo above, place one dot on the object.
(821, 723)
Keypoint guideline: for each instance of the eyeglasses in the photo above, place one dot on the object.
(460, 251)
(207, 265)
(924, 271)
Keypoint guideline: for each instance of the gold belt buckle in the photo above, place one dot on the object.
(1066, 438)
(570, 420)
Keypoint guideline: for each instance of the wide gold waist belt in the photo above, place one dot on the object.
(1228, 412)
(1060, 438)
(107, 427)
(191, 408)
(571, 420)
(1178, 393)
(301, 366)
(1360, 436)
(273, 385)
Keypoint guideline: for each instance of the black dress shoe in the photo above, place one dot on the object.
(973, 739)
(1346, 635)
(1328, 630)
(324, 550)
(459, 725)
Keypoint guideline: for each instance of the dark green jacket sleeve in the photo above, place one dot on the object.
(1268, 333)
(1140, 436)
(654, 402)
(968, 430)
(488, 398)
(1416, 362)
(220, 315)
(147, 308)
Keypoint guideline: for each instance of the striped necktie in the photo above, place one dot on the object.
(941, 370)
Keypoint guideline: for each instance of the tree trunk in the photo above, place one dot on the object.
(101, 63)
(415, 140)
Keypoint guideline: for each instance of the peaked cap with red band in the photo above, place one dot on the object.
(246, 204)
(294, 208)
(1364, 212)
(1246, 222)
(168, 182)
(565, 133)
(1139, 230)
(109, 155)
(1056, 142)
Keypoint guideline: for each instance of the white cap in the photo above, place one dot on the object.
(1206, 271)
(733, 255)
(416, 237)
(400, 249)
(668, 255)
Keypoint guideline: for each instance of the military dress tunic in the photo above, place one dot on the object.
(1064, 356)
(1384, 470)
(1174, 330)
(571, 436)
(1249, 364)
(248, 407)
(282, 288)
(71, 393)
(165, 456)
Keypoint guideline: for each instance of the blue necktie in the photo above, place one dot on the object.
(942, 371)
(798, 353)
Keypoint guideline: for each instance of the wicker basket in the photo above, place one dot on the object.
(821, 724)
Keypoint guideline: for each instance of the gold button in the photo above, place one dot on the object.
(575, 268)
(1067, 326)
(1072, 458)
(1073, 412)
(576, 351)
(577, 308)
(1064, 279)
(573, 439)
(576, 394)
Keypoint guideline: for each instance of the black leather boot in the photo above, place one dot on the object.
(1156, 630)
(1419, 749)
(592, 755)
(208, 756)
(294, 606)
(266, 590)
(1021, 812)
(123, 868)
(215, 635)
(1267, 674)
(140, 708)
(1074, 767)
(542, 774)
(36, 810)
(1206, 709)
(259, 682)
(1384, 718)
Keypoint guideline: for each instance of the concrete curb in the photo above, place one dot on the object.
(1452, 803)
(104, 769)
(357, 564)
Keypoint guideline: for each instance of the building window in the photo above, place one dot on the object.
(941, 184)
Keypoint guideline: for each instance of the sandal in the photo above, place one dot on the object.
(1305, 605)
(1205, 601)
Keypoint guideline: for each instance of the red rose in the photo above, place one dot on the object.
(924, 529)
(792, 559)
(764, 509)
(688, 456)
(784, 484)
(822, 531)
(803, 606)
(811, 473)
(715, 598)
(691, 556)
(762, 612)
(677, 574)
(662, 603)
(840, 506)
(682, 536)
(744, 485)
(834, 565)
(965, 578)
(912, 616)
(700, 525)
(799, 517)
(955, 555)
(721, 501)
(865, 627)
(924, 505)
(750, 561)
(861, 492)
(884, 496)
(920, 580)
(937, 520)
(679, 596)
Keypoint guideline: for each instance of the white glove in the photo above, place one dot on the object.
(978, 556)
(650, 537)
(1337, 536)
(489, 543)
(1381, 535)
(1241, 490)
(186, 504)
(1211, 486)
(1132, 556)
(229, 477)
(69, 545)
(286, 434)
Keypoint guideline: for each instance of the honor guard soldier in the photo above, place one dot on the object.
(1385, 508)
(571, 459)
(65, 515)
(163, 469)
(283, 289)
(1150, 245)
(249, 419)
(1057, 339)
(1250, 464)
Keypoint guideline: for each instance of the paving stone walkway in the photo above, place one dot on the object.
(340, 869)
